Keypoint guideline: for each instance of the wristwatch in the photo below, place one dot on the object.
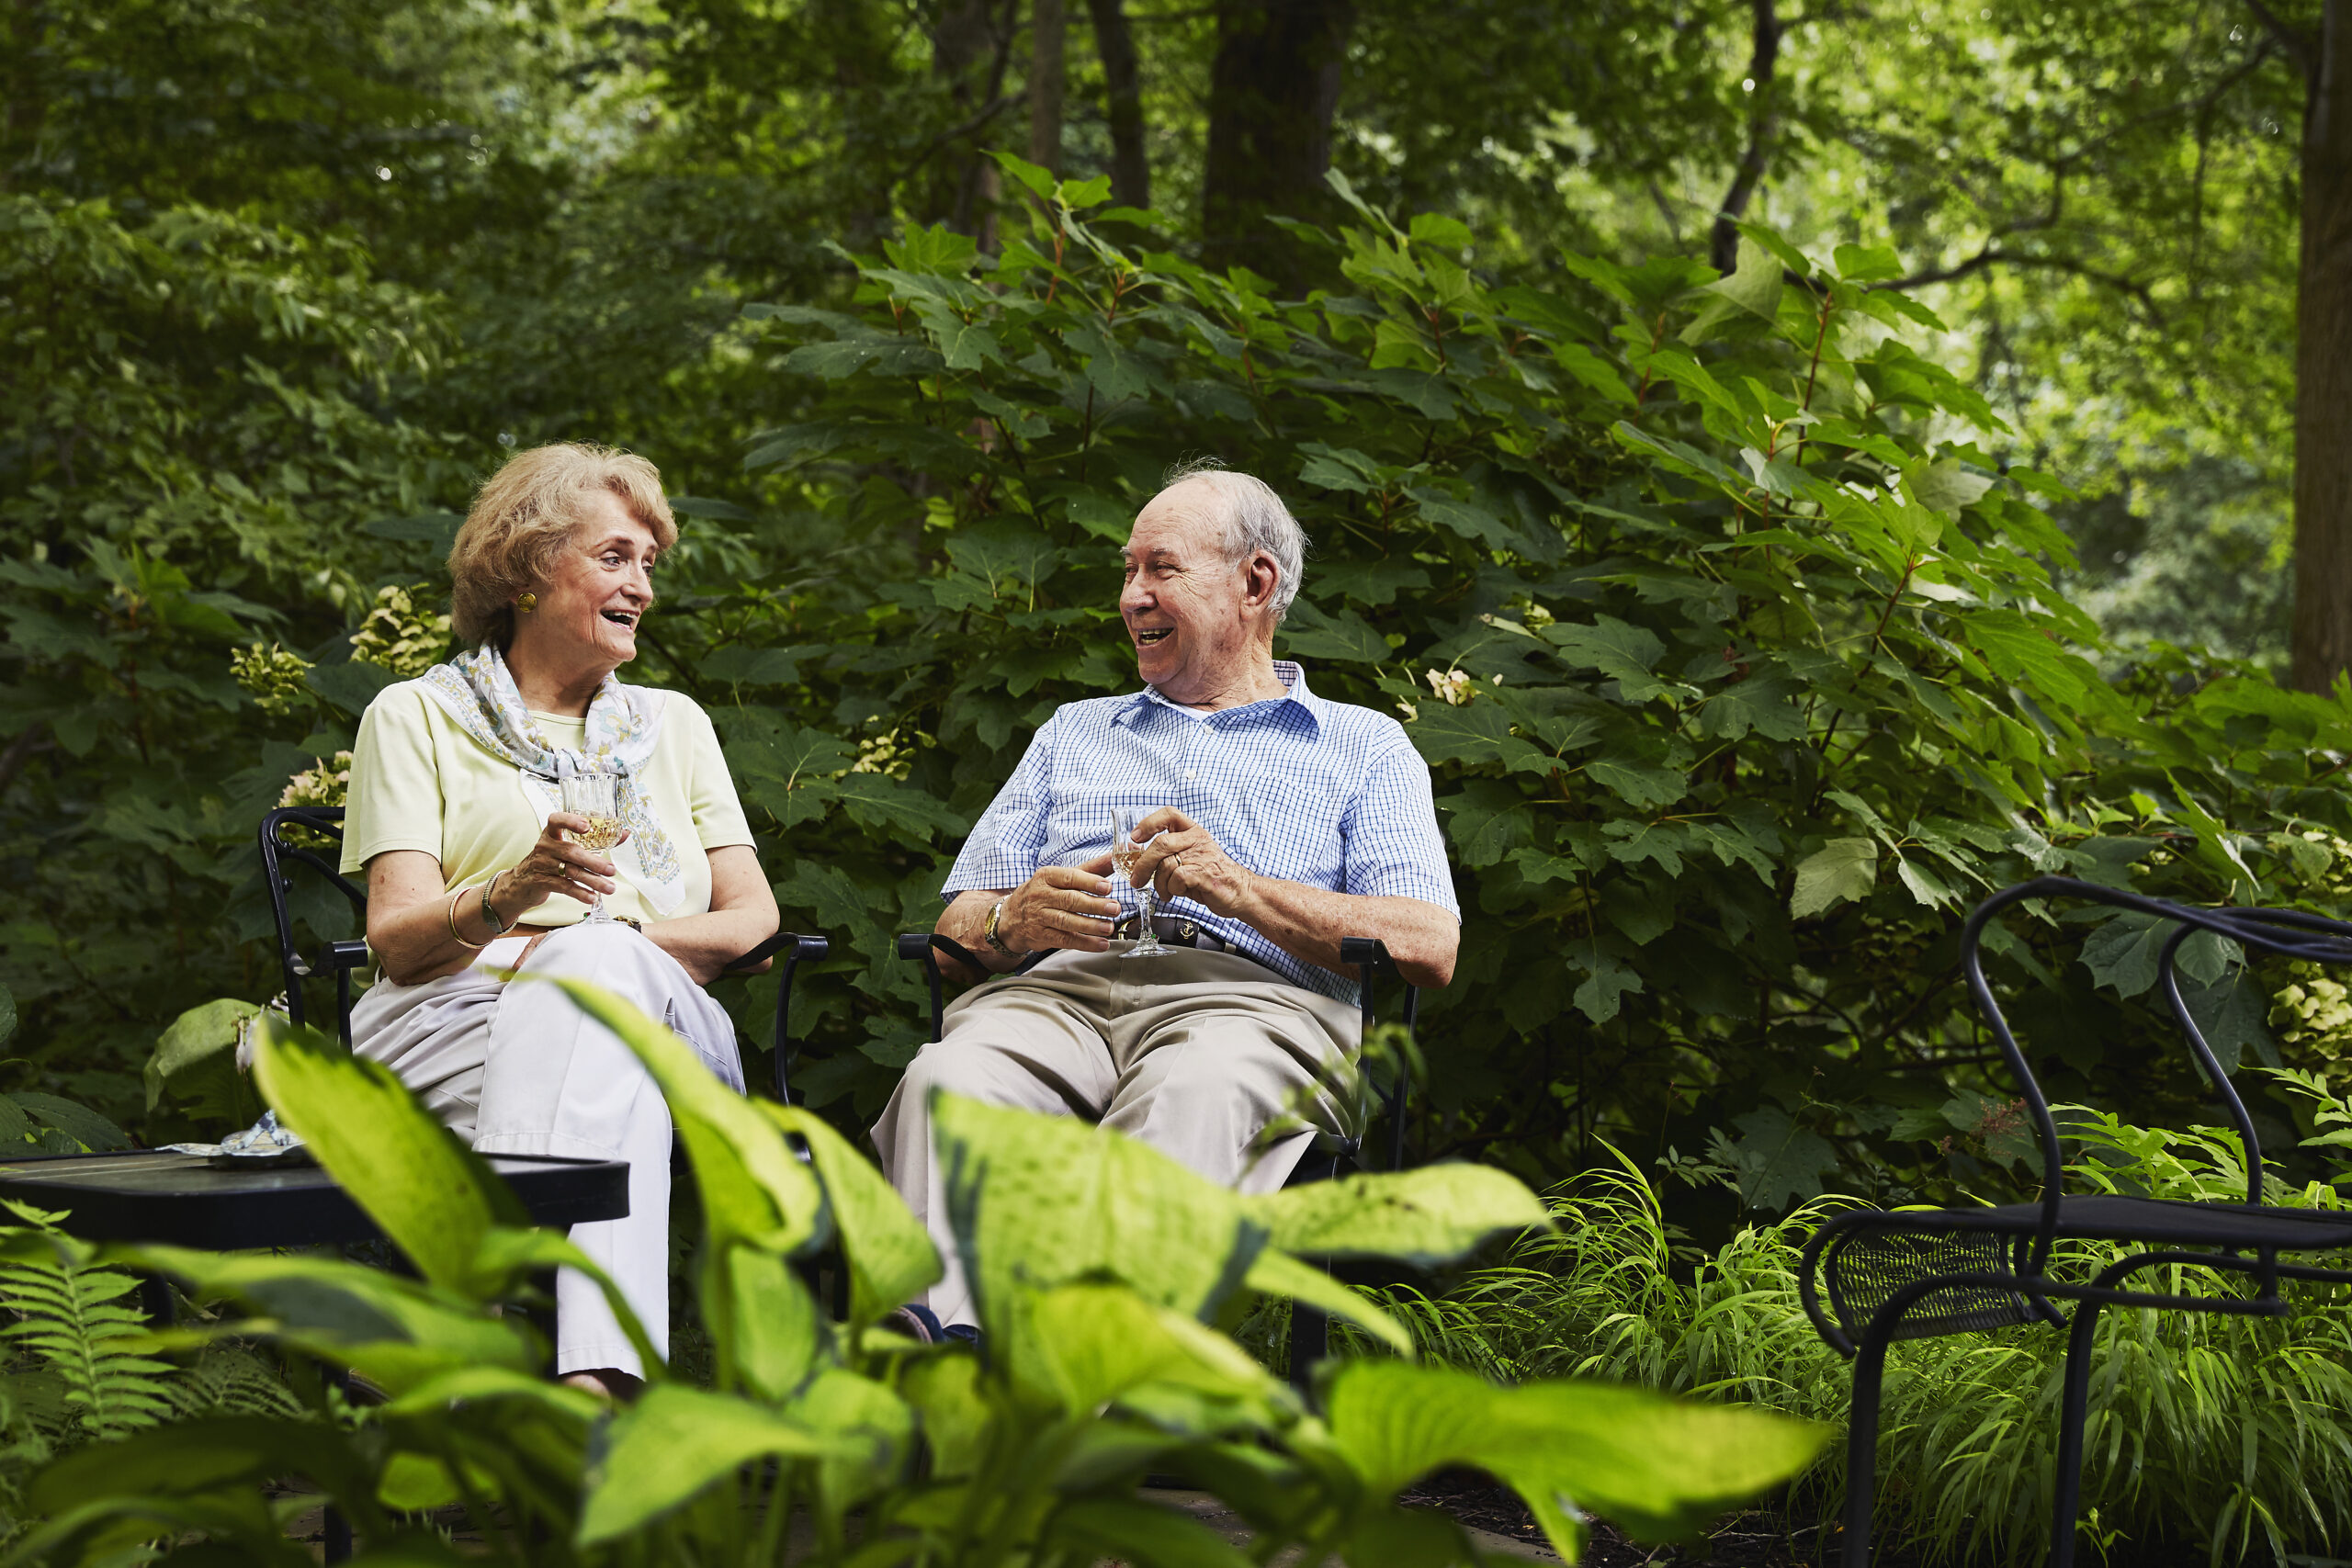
(996, 912)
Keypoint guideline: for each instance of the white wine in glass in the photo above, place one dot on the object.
(1125, 849)
(595, 797)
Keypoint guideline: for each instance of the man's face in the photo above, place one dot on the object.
(1186, 607)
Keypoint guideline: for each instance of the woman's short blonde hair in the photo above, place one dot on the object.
(525, 512)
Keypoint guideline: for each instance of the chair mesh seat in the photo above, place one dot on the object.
(1870, 1262)
(1881, 1255)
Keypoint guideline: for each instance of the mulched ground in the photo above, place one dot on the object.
(1753, 1540)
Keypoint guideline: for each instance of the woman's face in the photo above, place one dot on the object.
(598, 588)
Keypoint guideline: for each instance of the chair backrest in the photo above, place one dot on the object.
(2287, 932)
(288, 836)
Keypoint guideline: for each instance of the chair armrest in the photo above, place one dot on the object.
(334, 958)
(924, 947)
(1357, 951)
(920, 945)
(802, 947)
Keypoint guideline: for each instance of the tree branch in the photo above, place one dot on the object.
(956, 133)
(2252, 63)
(1989, 256)
(2301, 47)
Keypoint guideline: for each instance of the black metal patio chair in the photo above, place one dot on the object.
(288, 836)
(1871, 1277)
(146, 1196)
(1310, 1328)
(294, 835)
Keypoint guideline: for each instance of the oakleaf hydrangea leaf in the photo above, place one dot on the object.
(1841, 869)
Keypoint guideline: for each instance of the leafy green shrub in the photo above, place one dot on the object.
(1101, 1266)
(198, 416)
(34, 1123)
(1709, 615)
(2204, 1430)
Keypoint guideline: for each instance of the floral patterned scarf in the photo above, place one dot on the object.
(479, 691)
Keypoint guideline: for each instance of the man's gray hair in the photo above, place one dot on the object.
(1255, 519)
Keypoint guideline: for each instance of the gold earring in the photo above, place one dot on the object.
(528, 603)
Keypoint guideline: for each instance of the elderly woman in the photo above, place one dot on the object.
(456, 813)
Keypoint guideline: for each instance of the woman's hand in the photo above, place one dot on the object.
(555, 865)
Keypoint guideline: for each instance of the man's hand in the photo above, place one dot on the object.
(1184, 861)
(1062, 905)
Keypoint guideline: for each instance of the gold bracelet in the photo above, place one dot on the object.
(461, 941)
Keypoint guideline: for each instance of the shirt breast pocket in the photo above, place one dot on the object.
(1287, 828)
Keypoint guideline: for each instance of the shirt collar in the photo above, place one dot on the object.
(1294, 693)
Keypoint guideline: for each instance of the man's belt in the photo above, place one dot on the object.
(1177, 931)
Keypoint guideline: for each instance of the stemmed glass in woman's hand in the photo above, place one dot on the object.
(1124, 847)
(595, 797)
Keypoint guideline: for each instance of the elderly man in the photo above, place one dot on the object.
(1283, 822)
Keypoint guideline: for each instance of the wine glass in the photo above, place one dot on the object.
(595, 797)
(1124, 847)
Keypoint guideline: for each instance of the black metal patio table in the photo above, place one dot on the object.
(159, 1196)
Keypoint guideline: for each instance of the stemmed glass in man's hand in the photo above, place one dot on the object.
(595, 797)
(1125, 849)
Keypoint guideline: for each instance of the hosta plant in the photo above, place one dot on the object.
(1103, 1272)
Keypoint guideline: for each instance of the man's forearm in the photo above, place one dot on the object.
(966, 921)
(1308, 922)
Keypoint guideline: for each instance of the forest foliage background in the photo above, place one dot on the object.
(2000, 593)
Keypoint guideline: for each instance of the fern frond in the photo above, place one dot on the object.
(73, 1320)
(229, 1381)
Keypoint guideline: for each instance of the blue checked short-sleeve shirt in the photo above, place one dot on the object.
(1295, 787)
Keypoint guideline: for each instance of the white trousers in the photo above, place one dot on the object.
(516, 1068)
(1195, 1054)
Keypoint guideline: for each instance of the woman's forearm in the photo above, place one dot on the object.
(409, 916)
(413, 940)
(704, 945)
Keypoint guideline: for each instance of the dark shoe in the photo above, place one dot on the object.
(964, 1333)
(917, 1322)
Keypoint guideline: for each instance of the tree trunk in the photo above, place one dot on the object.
(1122, 102)
(1763, 129)
(2323, 631)
(1274, 88)
(20, 127)
(969, 52)
(1047, 34)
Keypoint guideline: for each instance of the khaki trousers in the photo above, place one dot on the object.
(1195, 1054)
